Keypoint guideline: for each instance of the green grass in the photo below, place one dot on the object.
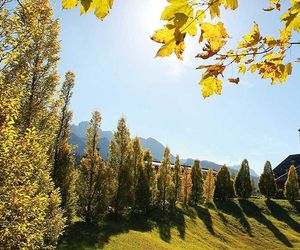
(238, 224)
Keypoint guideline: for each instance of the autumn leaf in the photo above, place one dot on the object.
(234, 80)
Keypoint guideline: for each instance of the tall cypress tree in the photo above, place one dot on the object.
(151, 179)
(224, 184)
(137, 164)
(197, 183)
(242, 184)
(266, 183)
(120, 162)
(186, 185)
(291, 186)
(93, 181)
(164, 180)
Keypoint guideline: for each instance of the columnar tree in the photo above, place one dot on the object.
(120, 162)
(164, 180)
(209, 186)
(186, 185)
(151, 177)
(266, 183)
(242, 184)
(176, 177)
(197, 183)
(64, 172)
(93, 181)
(291, 186)
(137, 162)
(224, 184)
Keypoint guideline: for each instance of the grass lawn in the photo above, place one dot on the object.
(237, 224)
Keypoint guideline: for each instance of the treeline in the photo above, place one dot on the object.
(41, 188)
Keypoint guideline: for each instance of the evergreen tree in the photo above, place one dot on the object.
(137, 164)
(120, 162)
(64, 172)
(224, 185)
(291, 186)
(266, 183)
(209, 186)
(93, 181)
(197, 183)
(186, 185)
(176, 180)
(242, 184)
(164, 180)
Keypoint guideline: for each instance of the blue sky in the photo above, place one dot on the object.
(117, 74)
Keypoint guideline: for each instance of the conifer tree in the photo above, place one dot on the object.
(291, 186)
(164, 180)
(151, 179)
(242, 184)
(93, 181)
(209, 186)
(266, 183)
(224, 185)
(64, 172)
(186, 185)
(197, 183)
(120, 162)
(176, 180)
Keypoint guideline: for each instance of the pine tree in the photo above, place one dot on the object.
(64, 172)
(120, 162)
(176, 180)
(93, 181)
(186, 185)
(242, 184)
(266, 183)
(224, 185)
(209, 186)
(164, 180)
(291, 186)
(197, 183)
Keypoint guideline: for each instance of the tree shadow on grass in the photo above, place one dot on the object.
(251, 210)
(231, 208)
(281, 214)
(296, 205)
(82, 235)
(204, 215)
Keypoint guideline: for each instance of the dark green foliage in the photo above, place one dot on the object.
(197, 183)
(224, 185)
(242, 184)
(267, 184)
(176, 180)
(150, 176)
(291, 186)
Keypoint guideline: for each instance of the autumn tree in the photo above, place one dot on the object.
(224, 184)
(197, 183)
(291, 186)
(176, 177)
(64, 172)
(137, 161)
(164, 180)
(120, 162)
(242, 183)
(93, 181)
(151, 178)
(266, 183)
(186, 185)
(209, 186)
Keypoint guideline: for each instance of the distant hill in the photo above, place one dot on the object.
(78, 137)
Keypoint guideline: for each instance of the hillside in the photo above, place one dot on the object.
(253, 224)
(78, 138)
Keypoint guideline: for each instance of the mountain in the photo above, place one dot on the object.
(78, 137)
